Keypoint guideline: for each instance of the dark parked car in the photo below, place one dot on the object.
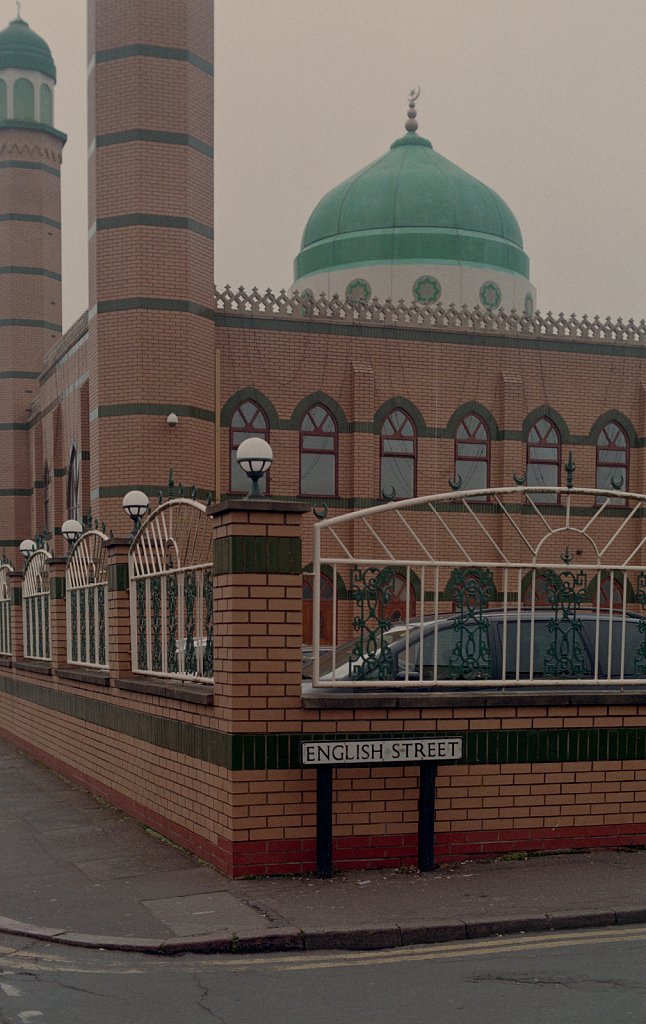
(562, 649)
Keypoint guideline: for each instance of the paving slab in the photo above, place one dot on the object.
(205, 912)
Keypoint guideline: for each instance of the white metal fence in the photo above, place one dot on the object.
(86, 586)
(171, 593)
(35, 604)
(5, 611)
(519, 586)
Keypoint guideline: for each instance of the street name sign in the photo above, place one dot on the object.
(413, 748)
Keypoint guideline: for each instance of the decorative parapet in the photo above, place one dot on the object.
(434, 316)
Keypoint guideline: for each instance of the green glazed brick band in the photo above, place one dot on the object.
(257, 555)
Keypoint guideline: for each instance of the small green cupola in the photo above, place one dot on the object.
(412, 225)
(27, 76)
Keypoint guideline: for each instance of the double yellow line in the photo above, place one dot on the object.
(16, 960)
(441, 951)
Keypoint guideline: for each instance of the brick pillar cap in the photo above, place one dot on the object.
(117, 542)
(57, 560)
(257, 505)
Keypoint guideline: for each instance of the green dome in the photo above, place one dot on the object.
(20, 47)
(411, 205)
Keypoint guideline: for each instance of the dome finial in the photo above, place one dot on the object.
(19, 9)
(411, 121)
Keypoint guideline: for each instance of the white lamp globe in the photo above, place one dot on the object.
(254, 455)
(27, 547)
(71, 530)
(135, 504)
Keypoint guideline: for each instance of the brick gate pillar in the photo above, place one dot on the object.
(118, 608)
(257, 603)
(257, 625)
(56, 568)
(17, 640)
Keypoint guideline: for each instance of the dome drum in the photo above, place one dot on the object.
(26, 96)
(425, 282)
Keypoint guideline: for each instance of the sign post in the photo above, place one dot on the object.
(427, 751)
(324, 795)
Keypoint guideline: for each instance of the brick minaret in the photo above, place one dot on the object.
(30, 267)
(151, 333)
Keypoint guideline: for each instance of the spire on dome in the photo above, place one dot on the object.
(19, 10)
(411, 121)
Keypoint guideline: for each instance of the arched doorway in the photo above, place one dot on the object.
(327, 611)
(395, 608)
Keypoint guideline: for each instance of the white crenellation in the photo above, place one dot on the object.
(426, 315)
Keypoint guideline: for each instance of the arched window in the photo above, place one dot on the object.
(46, 505)
(248, 420)
(23, 100)
(3, 100)
(612, 460)
(398, 455)
(73, 486)
(472, 453)
(544, 459)
(46, 105)
(319, 449)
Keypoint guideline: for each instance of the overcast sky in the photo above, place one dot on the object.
(543, 100)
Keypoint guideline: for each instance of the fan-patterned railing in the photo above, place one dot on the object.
(86, 586)
(510, 586)
(35, 605)
(171, 593)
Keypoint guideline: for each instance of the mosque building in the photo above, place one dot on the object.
(405, 359)
(388, 368)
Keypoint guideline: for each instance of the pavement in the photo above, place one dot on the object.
(75, 871)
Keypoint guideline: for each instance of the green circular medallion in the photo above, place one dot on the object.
(427, 289)
(490, 295)
(358, 290)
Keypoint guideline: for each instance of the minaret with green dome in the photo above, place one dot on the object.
(414, 226)
(30, 268)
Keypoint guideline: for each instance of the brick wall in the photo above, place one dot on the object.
(218, 768)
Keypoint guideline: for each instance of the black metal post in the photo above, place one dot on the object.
(426, 834)
(324, 821)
